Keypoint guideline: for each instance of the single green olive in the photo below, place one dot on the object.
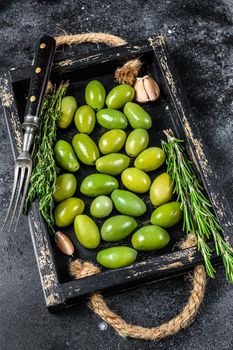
(128, 203)
(65, 187)
(85, 149)
(150, 237)
(136, 180)
(111, 119)
(112, 141)
(95, 95)
(85, 119)
(136, 142)
(65, 156)
(137, 116)
(112, 164)
(68, 108)
(119, 96)
(117, 227)
(101, 207)
(161, 190)
(87, 232)
(116, 257)
(98, 184)
(167, 215)
(150, 159)
(66, 211)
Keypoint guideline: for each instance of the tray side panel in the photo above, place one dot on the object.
(41, 244)
(108, 281)
(194, 143)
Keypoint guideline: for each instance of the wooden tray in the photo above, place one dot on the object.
(170, 111)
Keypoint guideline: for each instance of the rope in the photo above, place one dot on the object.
(124, 75)
(106, 38)
(97, 304)
(79, 269)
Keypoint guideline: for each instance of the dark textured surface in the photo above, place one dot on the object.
(199, 33)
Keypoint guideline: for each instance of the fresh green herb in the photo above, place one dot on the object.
(44, 174)
(197, 212)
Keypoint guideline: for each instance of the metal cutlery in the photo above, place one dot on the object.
(23, 165)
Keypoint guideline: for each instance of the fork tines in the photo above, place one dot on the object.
(19, 191)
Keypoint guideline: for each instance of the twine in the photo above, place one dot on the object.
(125, 74)
(97, 304)
(79, 269)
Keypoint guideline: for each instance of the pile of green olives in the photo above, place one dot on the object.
(122, 163)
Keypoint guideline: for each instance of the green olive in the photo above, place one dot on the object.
(65, 156)
(68, 108)
(137, 116)
(87, 232)
(65, 187)
(95, 95)
(85, 119)
(66, 211)
(112, 141)
(119, 96)
(112, 164)
(136, 142)
(111, 119)
(98, 184)
(128, 203)
(117, 227)
(136, 180)
(101, 207)
(167, 215)
(85, 148)
(161, 190)
(150, 238)
(150, 159)
(116, 257)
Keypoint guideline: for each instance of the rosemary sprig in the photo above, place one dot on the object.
(44, 174)
(197, 213)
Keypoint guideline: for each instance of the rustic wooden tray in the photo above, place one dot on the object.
(170, 111)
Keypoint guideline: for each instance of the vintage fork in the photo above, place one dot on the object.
(23, 164)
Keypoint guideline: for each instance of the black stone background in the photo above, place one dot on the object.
(199, 33)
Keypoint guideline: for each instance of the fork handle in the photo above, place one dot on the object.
(41, 70)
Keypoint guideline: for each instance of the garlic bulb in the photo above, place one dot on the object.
(64, 243)
(146, 89)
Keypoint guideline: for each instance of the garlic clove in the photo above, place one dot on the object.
(140, 92)
(146, 89)
(64, 243)
(151, 88)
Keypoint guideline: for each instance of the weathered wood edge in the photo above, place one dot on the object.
(41, 244)
(154, 269)
(63, 65)
(193, 140)
(10, 113)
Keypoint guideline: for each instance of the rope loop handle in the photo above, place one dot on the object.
(105, 38)
(127, 75)
(97, 304)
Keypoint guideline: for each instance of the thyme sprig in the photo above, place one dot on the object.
(198, 216)
(44, 174)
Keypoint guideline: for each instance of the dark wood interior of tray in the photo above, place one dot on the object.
(163, 118)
